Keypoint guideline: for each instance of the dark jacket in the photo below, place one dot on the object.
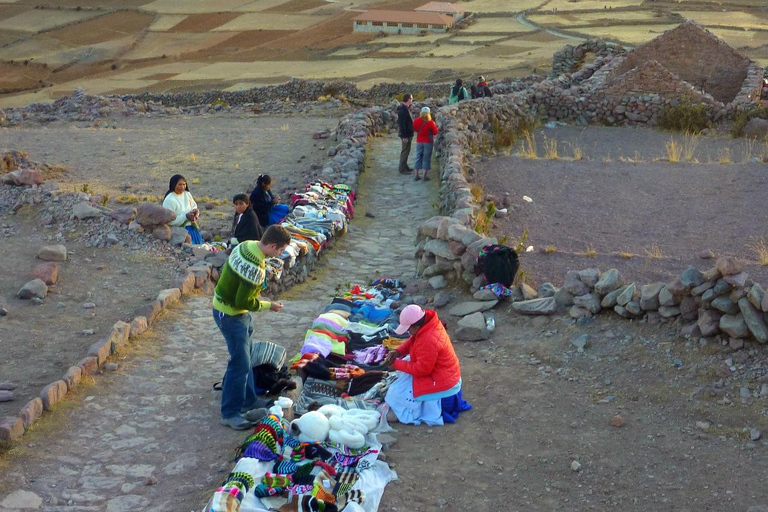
(404, 122)
(262, 202)
(483, 91)
(248, 228)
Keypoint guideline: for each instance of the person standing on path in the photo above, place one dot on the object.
(405, 131)
(425, 129)
(242, 279)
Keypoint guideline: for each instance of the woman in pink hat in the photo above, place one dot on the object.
(428, 387)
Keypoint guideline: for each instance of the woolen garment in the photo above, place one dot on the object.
(242, 279)
(433, 363)
(425, 132)
(262, 202)
(404, 122)
(181, 205)
(247, 228)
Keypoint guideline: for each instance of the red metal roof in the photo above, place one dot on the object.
(431, 18)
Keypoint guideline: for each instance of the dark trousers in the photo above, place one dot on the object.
(404, 152)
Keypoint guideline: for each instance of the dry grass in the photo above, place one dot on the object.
(477, 192)
(625, 254)
(578, 153)
(690, 142)
(632, 159)
(654, 252)
(724, 156)
(591, 252)
(550, 249)
(759, 247)
(674, 150)
(133, 198)
(550, 148)
(528, 149)
(748, 148)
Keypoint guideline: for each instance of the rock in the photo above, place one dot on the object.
(709, 322)
(34, 288)
(738, 280)
(53, 253)
(725, 305)
(184, 282)
(754, 319)
(696, 291)
(52, 393)
(217, 259)
(580, 342)
(528, 291)
(736, 343)
(162, 232)
(610, 300)
(574, 285)
(563, 298)
(691, 278)
(669, 311)
(138, 325)
(29, 177)
(676, 287)
(546, 290)
(73, 377)
(542, 306)
(437, 282)
(7, 386)
(634, 308)
(706, 255)
(31, 412)
(168, 296)
(21, 499)
(649, 296)
(734, 325)
(756, 295)
(617, 421)
(484, 294)
(608, 282)
(111, 367)
(578, 312)
(626, 296)
(467, 308)
(728, 265)
(442, 298)
(590, 302)
(472, 328)
(47, 272)
(178, 236)
(123, 215)
(721, 286)
(688, 308)
(754, 434)
(127, 503)
(622, 311)
(666, 298)
(756, 128)
(440, 248)
(691, 331)
(84, 210)
(150, 214)
(6, 396)
(589, 276)
(575, 466)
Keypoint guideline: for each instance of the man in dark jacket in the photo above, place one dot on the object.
(405, 132)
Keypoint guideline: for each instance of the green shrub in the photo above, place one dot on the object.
(742, 117)
(688, 117)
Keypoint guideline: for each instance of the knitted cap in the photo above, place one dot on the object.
(409, 316)
(425, 110)
(481, 79)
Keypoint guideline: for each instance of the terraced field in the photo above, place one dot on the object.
(165, 45)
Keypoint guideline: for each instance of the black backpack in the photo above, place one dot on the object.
(498, 263)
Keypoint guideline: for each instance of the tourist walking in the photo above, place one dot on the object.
(425, 129)
(405, 131)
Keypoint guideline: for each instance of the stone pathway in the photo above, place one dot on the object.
(147, 437)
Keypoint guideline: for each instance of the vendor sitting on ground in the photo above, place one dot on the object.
(428, 387)
(245, 224)
(267, 207)
(179, 201)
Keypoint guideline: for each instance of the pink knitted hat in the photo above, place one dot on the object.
(409, 316)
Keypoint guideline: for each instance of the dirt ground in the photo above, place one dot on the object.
(220, 156)
(647, 217)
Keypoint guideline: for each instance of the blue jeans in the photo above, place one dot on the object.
(423, 156)
(238, 388)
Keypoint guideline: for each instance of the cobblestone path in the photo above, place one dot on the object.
(147, 437)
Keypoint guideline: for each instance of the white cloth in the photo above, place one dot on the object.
(181, 205)
(408, 409)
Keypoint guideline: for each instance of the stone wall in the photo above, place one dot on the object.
(571, 58)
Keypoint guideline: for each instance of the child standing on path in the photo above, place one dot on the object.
(242, 279)
(425, 129)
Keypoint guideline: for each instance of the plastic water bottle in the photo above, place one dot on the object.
(490, 323)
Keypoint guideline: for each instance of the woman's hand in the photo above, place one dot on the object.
(389, 360)
(191, 216)
(275, 306)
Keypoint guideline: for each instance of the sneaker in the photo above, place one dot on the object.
(259, 403)
(255, 415)
(237, 423)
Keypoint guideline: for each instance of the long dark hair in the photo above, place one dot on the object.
(172, 184)
(457, 87)
(263, 179)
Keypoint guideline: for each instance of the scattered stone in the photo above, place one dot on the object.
(467, 308)
(437, 282)
(150, 214)
(744, 392)
(35, 288)
(617, 421)
(484, 294)
(608, 282)
(84, 210)
(706, 254)
(151, 480)
(546, 290)
(472, 328)
(703, 425)
(111, 367)
(53, 253)
(88, 305)
(580, 342)
(543, 306)
(21, 499)
(728, 265)
(11, 428)
(754, 434)
(528, 291)
(7, 386)
(575, 466)
(6, 396)
(47, 272)
(442, 298)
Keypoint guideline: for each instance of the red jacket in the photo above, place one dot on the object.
(425, 132)
(433, 363)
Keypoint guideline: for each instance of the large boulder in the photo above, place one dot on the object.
(754, 319)
(472, 328)
(34, 288)
(150, 214)
(608, 282)
(756, 128)
(53, 253)
(543, 306)
(123, 215)
(163, 232)
(468, 308)
(83, 210)
(47, 272)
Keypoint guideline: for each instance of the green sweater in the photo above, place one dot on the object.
(241, 281)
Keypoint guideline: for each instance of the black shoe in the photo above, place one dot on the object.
(259, 403)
